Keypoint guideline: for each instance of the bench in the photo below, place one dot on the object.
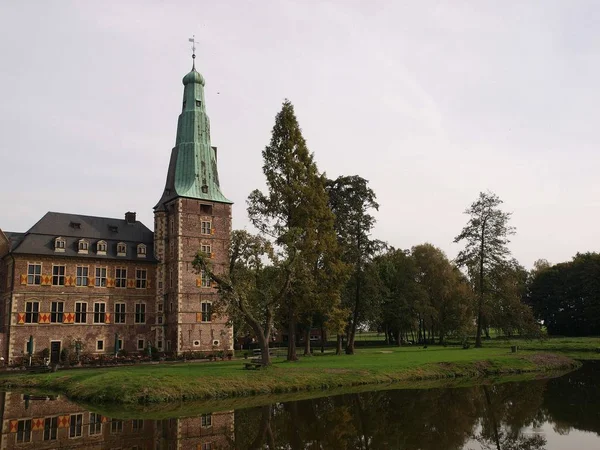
(253, 364)
(39, 369)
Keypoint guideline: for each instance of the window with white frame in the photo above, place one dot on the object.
(205, 227)
(206, 312)
(34, 273)
(58, 275)
(100, 345)
(60, 244)
(141, 251)
(76, 425)
(95, 424)
(205, 248)
(121, 249)
(50, 428)
(24, 431)
(32, 311)
(119, 312)
(56, 312)
(83, 246)
(100, 276)
(99, 312)
(206, 420)
(80, 312)
(205, 279)
(140, 278)
(81, 278)
(121, 277)
(116, 426)
(140, 313)
(141, 344)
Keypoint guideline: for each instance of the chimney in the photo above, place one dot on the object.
(130, 217)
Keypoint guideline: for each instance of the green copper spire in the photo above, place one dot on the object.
(193, 166)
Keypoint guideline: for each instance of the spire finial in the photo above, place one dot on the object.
(193, 41)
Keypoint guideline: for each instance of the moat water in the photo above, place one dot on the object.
(553, 413)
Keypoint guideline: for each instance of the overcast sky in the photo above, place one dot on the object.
(432, 102)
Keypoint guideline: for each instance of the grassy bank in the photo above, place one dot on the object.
(188, 381)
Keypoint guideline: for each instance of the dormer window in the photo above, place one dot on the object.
(75, 225)
(59, 244)
(113, 228)
(198, 103)
(83, 246)
(141, 251)
(101, 248)
(121, 249)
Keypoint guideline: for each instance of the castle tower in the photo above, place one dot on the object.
(192, 215)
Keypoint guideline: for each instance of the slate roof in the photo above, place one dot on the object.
(39, 240)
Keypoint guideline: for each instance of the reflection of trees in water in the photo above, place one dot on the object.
(572, 400)
(494, 416)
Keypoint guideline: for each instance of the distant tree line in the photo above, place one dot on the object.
(314, 263)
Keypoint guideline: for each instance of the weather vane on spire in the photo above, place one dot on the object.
(193, 41)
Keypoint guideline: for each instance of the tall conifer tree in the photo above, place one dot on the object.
(295, 213)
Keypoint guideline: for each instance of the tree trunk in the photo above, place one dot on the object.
(307, 341)
(480, 300)
(322, 339)
(291, 355)
(352, 334)
(338, 348)
(387, 339)
(263, 344)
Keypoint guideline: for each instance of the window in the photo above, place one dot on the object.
(99, 313)
(76, 425)
(206, 209)
(206, 312)
(141, 344)
(206, 420)
(24, 431)
(138, 424)
(140, 313)
(160, 320)
(34, 273)
(205, 279)
(119, 312)
(207, 446)
(100, 345)
(82, 275)
(140, 278)
(119, 344)
(59, 244)
(58, 275)
(80, 312)
(121, 249)
(83, 246)
(116, 426)
(75, 225)
(121, 277)
(141, 251)
(206, 249)
(198, 103)
(50, 428)
(205, 228)
(56, 313)
(101, 247)
(32, 310)
(160, 307)
(100, 276)
(159, 345)
(95, 424)
(113, 228)
(172, 225)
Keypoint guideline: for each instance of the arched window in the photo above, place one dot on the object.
(141, 250)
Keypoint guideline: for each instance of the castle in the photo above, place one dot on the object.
(104, 285)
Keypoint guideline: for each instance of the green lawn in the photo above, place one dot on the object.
(184, 381)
